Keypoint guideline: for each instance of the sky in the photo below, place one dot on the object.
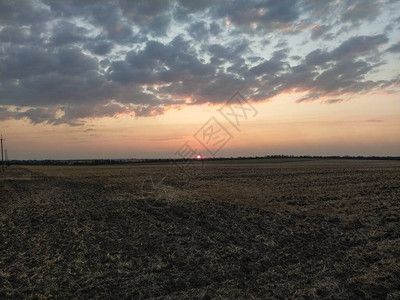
(170, 79)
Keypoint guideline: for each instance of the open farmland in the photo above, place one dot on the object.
(294, 229)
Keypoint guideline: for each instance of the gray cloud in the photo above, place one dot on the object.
(102, 47)
(394, 48)
(359, 45)
(38, 115)
(94, 111)
(198, 30)
(14, 35)
(269, 15)
(23, 13)
(318, 31)
(333, 101)
(360, 10)
(354, 47)
(66, 61)
(67, 33)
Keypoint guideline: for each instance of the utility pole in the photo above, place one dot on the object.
(2, 155)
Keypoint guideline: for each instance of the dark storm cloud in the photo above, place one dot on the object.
(65, 61)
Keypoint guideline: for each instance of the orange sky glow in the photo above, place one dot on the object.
(369, 125)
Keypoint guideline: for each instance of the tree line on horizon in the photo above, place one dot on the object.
(166, 160)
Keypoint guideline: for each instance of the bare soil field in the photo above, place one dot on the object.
(326, 229)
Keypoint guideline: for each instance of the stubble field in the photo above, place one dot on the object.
(296, 229)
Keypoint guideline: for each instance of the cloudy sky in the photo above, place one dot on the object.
(101, 79)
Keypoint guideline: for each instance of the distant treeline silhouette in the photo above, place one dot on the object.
(168, 160)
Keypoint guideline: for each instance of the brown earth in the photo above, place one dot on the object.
(301, 229)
